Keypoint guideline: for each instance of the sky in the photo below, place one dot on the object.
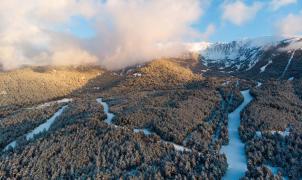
(246, 19)
(119, 33)
(258, 18)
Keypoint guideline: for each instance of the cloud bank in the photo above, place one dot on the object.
(126, 32)
(291, 25)
(238, 13)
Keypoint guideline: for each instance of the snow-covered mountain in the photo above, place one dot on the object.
(243, 55)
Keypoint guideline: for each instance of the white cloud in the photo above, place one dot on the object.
(140, 25)
(127, 31)
(291, 25)
(26, 29)
(238, 13)
(211, 29)
(277, 4)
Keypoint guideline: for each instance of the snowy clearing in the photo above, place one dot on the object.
(234, 151)
(262, 69)
(65, 100)
(110, 116)
(288, 64)
(137, 75)
(259, 84)
(281, 133)
(145, 131)
(42, 128)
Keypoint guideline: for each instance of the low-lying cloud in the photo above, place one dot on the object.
(126, 32)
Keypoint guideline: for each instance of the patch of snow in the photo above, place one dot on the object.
(259, 84)
(258, 134)
(109, 115)
(288, 64)
(262, 69)
(42, 128)
(281, 133)
(145, 131)
(10, 145)
(225, 83)
(137, 74)
(180, 148)
(45, 126)
(291, 78)
(243, 54)
(234, 151)
(65, 100)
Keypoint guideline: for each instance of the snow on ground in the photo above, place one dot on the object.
(179, 147)
(146, 132)
(281, 133)
(110, 116)
(288, 64)
(259, 84)
(137, 74)
(262, 69)
(291, 78)
(65, 100)
(234, 151)
(43, 127)
(226, 83)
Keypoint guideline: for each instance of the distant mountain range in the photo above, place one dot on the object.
(264, 57)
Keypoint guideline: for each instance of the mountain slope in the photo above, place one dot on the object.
(267, 56)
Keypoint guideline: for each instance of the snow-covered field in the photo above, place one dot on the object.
(110, 116)
(288, 64)
(43, 127)
(65, 100)
(235, 149)
(262, 69)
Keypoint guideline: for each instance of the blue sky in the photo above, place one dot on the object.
(263, 23)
